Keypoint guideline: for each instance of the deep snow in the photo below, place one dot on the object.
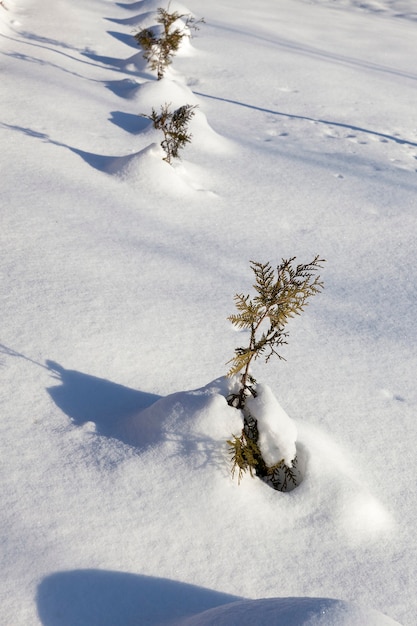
(118, 274)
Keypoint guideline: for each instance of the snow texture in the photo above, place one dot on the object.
(117, 277)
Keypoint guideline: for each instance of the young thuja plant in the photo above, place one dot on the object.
(160, 47)
(174, 125)
(280, 295)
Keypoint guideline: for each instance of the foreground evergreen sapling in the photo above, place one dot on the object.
(174, 125)
(280, 295)
(160, 45)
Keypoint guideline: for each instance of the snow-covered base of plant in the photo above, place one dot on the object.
(277, 432)
(117, 276)
(201, 421)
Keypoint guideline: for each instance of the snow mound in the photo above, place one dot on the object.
(200, 415)
(198, 423)
(155, 92)
(205, 138)
(148, 168)
(135, 63)
(289, 612)
(186, 49)
(141, 21)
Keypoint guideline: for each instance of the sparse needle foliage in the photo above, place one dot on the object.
(174, 125)
(280, 295)
(244, 454)
(160, 45)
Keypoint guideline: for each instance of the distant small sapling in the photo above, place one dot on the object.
(161, 44)
(280, 295)
(174, 125)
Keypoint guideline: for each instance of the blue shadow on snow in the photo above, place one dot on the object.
(128, 40)
(317, 120)
(85, 398)
(131, 123)
(108, 598)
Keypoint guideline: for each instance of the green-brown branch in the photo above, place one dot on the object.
(280, 295)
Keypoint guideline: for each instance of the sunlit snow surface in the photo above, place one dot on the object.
(117, 277)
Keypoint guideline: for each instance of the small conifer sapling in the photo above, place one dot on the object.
(280, 295)
(160, 45)
(174, 125)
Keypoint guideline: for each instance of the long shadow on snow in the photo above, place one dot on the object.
(135, 65)
(85, 398)
(105, 163)
(31, 59)
(59, 52)
(127, 21)
(97, 161)
(132, 6)
(111, 407)
(108, 598)
(95, 60)
(310, 51)
(119, 412)
(47, 41)
(367, 131)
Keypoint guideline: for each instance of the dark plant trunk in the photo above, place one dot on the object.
(250, 428)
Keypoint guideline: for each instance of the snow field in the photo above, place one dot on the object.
(118, 273)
